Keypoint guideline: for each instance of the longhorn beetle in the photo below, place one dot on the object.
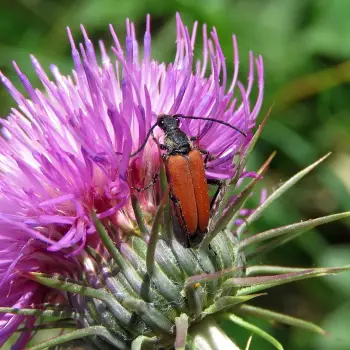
(185, 171)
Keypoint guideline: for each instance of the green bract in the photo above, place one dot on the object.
(151, 292)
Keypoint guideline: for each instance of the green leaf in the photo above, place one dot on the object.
(64, 284)
(109, 244)
(270, 269)
(138, 215)
(278, 317)
(286, 186)
(274, 244)
(181, 324)
(255, 284)
(141, 340)
(81, 333)
(149, 313)
(244, 195)
(228, 301)
(152, 244)
(256, 330)
(192, 281)
(63, 313)
(291, 229)
(128, 271)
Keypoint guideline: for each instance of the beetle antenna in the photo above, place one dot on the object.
(145, 141)
(214, 120)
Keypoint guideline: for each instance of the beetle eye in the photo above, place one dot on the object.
(177, 119)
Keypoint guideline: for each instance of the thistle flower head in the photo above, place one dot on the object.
(80, 243)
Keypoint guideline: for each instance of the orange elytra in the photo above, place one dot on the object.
(185, 169)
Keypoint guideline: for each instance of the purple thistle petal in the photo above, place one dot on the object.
(20, 255)
(25, 335)
(66, 151)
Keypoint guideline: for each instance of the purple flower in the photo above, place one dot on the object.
(65, 151)
(18, 257)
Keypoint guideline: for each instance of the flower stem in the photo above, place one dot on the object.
(207, 335)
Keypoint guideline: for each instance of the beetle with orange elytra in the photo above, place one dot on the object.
(185, 171)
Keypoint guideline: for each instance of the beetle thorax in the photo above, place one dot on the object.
(177, 142)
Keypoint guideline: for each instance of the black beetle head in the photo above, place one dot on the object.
(168, 122)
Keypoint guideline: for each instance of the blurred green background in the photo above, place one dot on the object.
(306, 50)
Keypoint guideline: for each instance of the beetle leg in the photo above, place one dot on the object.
(160, 145)
(154, 180)
(219, 184)
(207, 156)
